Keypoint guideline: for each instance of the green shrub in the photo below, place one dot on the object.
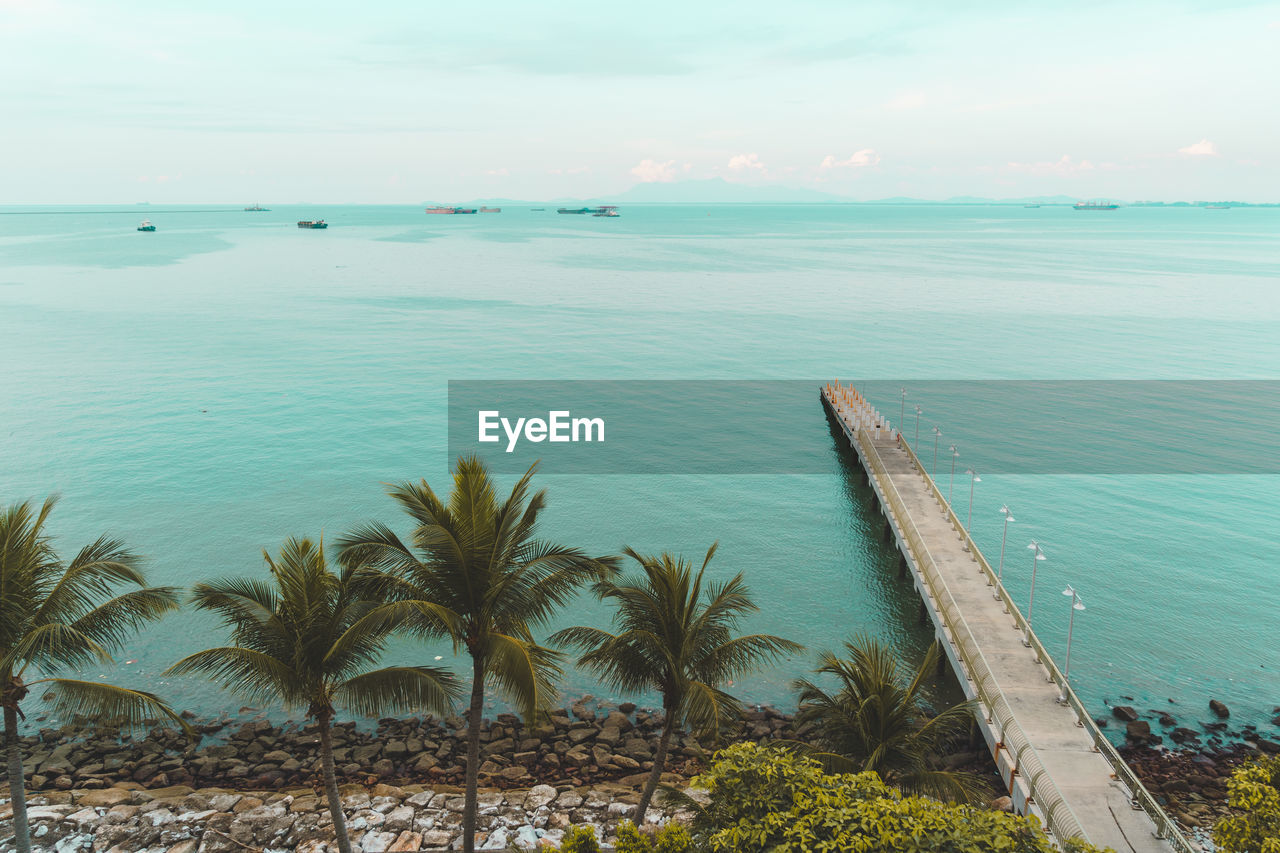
(579, 839)
(673, 838)
(1254, 791)
(630, 840)
(764, 799)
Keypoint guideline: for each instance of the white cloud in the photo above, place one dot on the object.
(858, 160)
(1064, 166)
(1203, 148)
(741, 162)
(653, 172)
(500, 173)
(575, 170)
(907, 101)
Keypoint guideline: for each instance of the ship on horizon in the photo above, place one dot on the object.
(313, 223)
(258, 207)
(1095, 205)
(450, 210)
(146, 226)
(490, 209)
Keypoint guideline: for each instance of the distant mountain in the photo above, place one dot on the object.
(970, 199)
(720, 191)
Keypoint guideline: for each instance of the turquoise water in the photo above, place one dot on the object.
(207, 390)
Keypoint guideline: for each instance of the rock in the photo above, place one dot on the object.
(1001, 804)
(1124, 713)
(627, 707)
(104, 798)
(1219, 709)
(377, 842)
(539, 796)
(1268, 746)
(406, 842)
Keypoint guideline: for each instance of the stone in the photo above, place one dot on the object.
(1124, 713)
(406, 842)
(539, 796)
(377, 842)
(104, 798)
(436, 838)
(1002, 804)
(1219, 709)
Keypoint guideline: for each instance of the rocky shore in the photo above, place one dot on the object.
(1188, 774)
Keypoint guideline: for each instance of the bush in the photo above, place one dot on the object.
(673, 838)
(1254, 790)
(630, 840)
(764, 799)
(580, 839)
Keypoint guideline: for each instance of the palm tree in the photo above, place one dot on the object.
(875, 721)
(476, 574)
(55, 615)
(675, 637)
(307, 639)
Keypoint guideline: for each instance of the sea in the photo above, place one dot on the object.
(207, 390)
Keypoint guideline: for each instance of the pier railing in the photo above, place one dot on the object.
(1059, 818)
(1166, 828)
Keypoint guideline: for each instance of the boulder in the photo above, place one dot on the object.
(1124, 713)
(1219, 709)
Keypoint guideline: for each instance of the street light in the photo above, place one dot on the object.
(1008, 517)
(937, 434)
(973, 478)
(918, 413)
(1037, 556)
(1076, 604)
(951, 486)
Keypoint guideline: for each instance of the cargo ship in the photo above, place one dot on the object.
(451, 210)
(490, 210)
(574, 210)
(606, 210)
(258, 208)
(1095, 205)
(313, 223)
(146, 226)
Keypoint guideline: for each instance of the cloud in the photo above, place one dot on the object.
(653, 172)
(742, 162)
(858, 160)
(573, 170)
(1203, 148)
(1063, 166)
(500, 173)
(907, 101)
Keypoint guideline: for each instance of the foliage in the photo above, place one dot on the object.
(673, 838)
(1254, 790)
(675, 636)
(875, 720)
(474, 572)
(629, 839)
(308, 639)
(768, 799)
(579, 839)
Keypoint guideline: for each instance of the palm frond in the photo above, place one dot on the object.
(524, 671)
(248, 672)
(112, 621)
(130, 708)
(401, 688)
(95, 571)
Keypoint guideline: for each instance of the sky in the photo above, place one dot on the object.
(390, 102)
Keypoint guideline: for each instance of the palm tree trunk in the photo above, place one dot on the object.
(659, 764)
(17, 782)
(473, 754)
(331, 786)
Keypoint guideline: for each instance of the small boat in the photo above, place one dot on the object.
(1217, 207)
(1095, 205)
(313, 223)
(258, 208)
(490, 210)
(606, 210)
(537, 208)
(146, 226)
(450, 210)
(1031, 205)
(579, 210)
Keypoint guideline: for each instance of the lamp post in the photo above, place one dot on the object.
(918, 413)
(952, 485)
(902, 412)
(1008, 517)
(1037, 556)
(937, 434)
(1076, 604)
(973, 478)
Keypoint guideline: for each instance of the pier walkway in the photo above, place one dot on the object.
(1054, 760)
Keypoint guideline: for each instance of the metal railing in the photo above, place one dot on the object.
(1059, 818)
(1166, 828)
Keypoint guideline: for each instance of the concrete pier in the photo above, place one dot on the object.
(1055, 762)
